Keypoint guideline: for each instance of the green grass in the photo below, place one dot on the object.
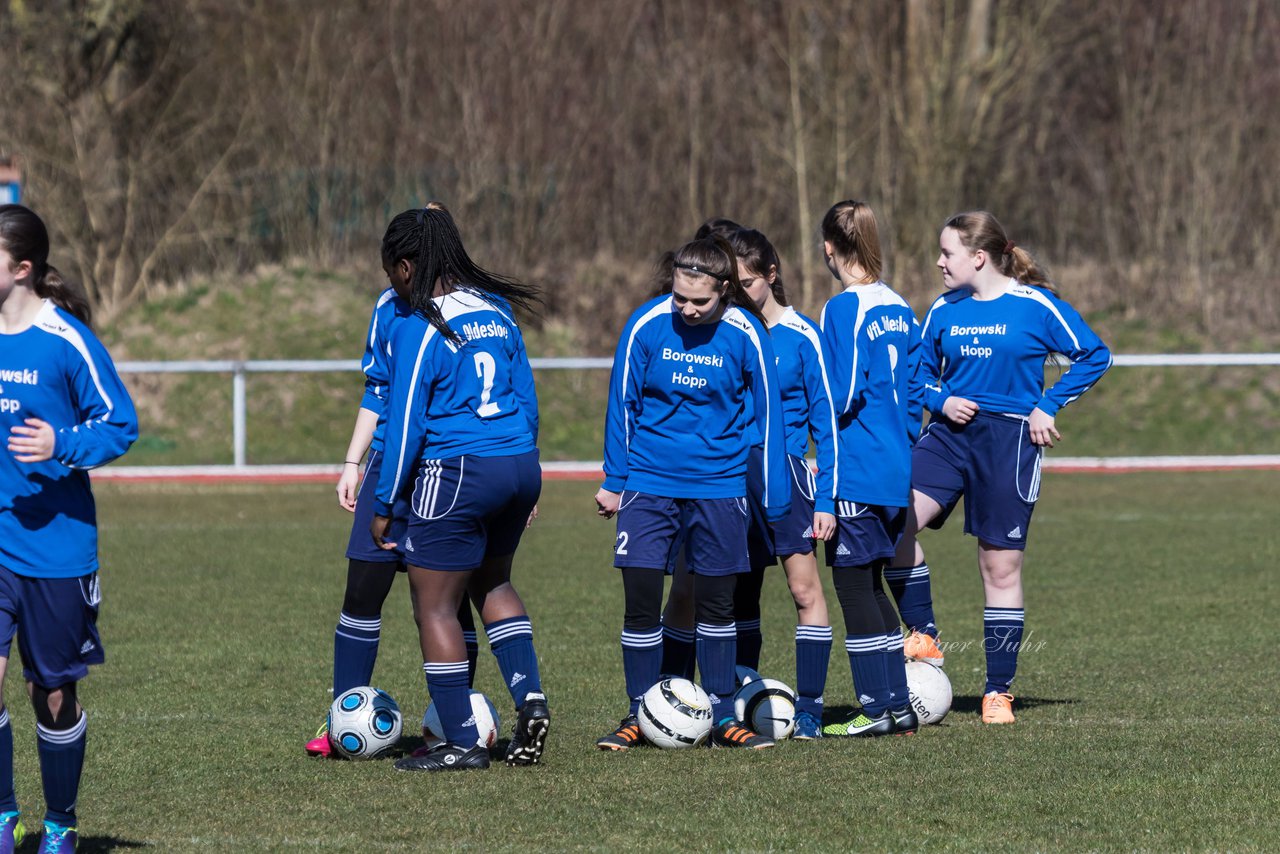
(1146, 695)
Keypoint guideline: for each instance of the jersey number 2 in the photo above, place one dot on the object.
(486, 367)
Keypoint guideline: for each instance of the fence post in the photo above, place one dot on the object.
(238, 413)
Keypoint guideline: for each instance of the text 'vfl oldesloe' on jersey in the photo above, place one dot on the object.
(450, 401)
(872, 340)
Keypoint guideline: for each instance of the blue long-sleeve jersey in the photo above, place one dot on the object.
(872, 341)
(992, 351)
(387, 313)
(57, 370)
(681, 403)
(448, 400)
(806, 398)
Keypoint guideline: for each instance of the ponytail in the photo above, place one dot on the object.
(65, 294)
(981, 230)
(24, 236)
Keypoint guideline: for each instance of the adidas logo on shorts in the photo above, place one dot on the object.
(1015, 534)
(408, 544)
(843, 550)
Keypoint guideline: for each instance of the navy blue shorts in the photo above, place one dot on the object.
(361, 545)
(466, 509)
(57, 624)
(712, 532)
(993, 463)
(865, 533)
(794, 534)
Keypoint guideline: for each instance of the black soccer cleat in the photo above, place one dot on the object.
(447, 757)
(733, 734)
(905, 721)
(626, 736)
(529, 735)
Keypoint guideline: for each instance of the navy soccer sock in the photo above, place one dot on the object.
(813, 653)
(641, 661)
(896, 670)
(447, 683)
(914, 594)
(678, 652)
(1001, 638)
(512, 643)
(749, 642)
(355, 650)
(471, 639)
(8, 800)
(61, 760)
(716, 648)
(867, 661)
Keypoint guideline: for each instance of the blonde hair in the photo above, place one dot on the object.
(981, 230)
(850, 227)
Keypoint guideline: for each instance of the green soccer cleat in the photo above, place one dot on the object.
(861, 726)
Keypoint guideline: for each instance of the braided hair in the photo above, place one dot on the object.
(428, 237)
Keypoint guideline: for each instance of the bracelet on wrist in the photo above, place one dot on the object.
(351, 462)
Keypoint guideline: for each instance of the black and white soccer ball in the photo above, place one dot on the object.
(364, 723)
(482, 709)
(930, 691)
(767, 707)
(675, 713)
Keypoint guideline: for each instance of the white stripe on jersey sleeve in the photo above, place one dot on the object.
(659, 310)
(1026, 292)
(48, 320)
(737, 318)
(814, 338)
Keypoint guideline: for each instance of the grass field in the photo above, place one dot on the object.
(1146, 695)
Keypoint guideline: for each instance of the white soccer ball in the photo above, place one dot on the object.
(486, 715)
(930, 691)
(744, 675)
(364, 723)
(675, 713)
(766, 706)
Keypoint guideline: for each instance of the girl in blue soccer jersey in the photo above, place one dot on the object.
(806, 411)
(872, 341)
(985, 344)
(694, 370)
(462, 427)
(371, 570)
(64, 411)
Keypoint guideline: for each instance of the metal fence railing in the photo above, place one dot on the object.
(239, 370)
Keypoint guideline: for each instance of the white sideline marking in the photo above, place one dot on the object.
(591, 469)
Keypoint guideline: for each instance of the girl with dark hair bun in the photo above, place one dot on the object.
(370, 569)
(461, 442)
(693, 379)
(985, 344)
(64, 411)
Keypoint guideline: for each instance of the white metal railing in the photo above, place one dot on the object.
(239, 369)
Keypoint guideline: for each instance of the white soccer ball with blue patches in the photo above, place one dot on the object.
(364, 723)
